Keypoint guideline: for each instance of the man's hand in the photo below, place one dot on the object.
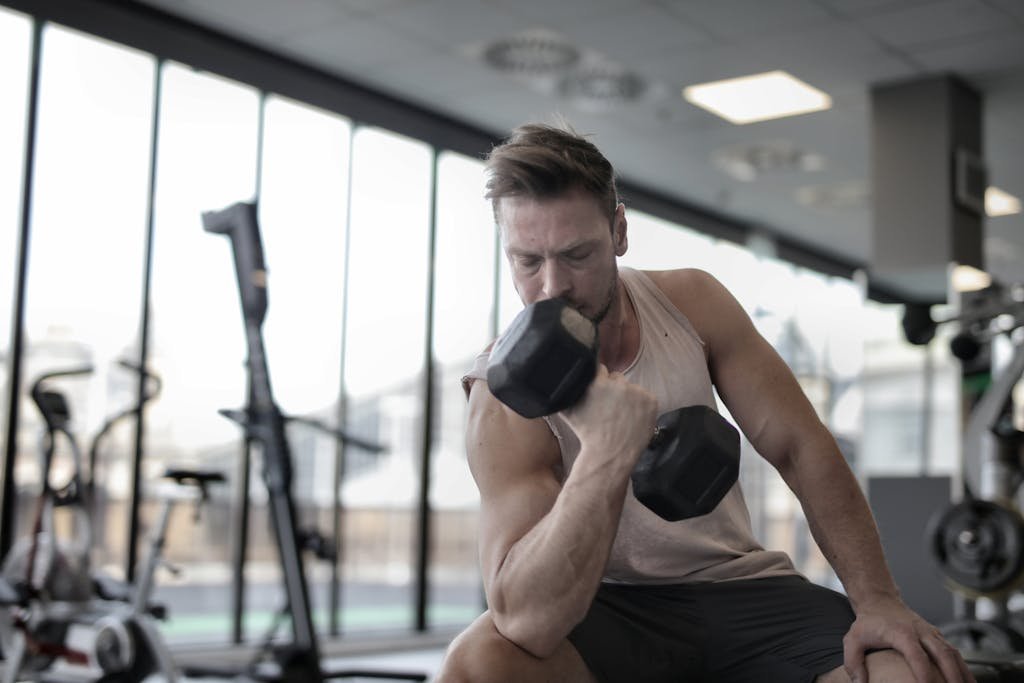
(615, 416)
(888, 623)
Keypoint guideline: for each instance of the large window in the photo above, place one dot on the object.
(206, 159)
(85, 269)
(463, 325)
(303, 215)
(384, 361)
(911, 421)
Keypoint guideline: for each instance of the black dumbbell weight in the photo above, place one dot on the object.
(544, 363)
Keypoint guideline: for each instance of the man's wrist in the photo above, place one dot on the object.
(864, 600)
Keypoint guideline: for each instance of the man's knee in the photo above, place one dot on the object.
(884, 666)
(480, 654)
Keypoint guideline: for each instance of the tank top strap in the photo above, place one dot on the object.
(638, 281)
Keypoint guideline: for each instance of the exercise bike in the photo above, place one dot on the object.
(53, 609)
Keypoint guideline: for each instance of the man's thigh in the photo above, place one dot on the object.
(641, 634)
(783, 628)
(732, 631)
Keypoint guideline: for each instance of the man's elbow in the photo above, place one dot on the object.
(538, 634)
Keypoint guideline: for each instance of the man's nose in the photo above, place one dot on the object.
(557, 282)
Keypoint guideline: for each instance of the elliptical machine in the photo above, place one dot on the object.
(47, 589)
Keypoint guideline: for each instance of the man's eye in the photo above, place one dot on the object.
(579, 255)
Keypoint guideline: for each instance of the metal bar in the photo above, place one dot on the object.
(423, 510)
(342, 416)
(140, 427)
(8, 492)
(240, 546)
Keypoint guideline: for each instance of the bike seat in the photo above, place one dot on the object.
(194, 477)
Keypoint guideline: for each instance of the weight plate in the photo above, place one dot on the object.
(978, 545)
(969, 635)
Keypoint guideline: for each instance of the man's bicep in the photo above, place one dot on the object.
(764, 398)
(758, 388)
(513, 461)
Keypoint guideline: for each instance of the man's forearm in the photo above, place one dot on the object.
(548, 579)
(841, 522)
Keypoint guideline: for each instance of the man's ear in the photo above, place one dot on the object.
(619, 236)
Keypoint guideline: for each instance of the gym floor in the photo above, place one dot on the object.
(427, 661)
(412, 659)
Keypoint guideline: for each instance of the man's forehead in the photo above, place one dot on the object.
(515, 247)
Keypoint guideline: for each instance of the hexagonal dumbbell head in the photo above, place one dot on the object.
(692, 462)
(545, 360)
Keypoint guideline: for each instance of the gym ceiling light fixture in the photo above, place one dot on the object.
(1000, 203)
(758, 97)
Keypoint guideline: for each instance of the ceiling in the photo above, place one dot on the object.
(815, 187)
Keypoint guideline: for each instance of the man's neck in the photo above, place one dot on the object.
(619, 333)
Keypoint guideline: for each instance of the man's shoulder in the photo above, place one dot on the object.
(701, 298)
(683, 284)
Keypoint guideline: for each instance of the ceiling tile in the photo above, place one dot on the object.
(738, 18)
(435, 77)
(864, 7)
(451, 23)
(982, 53)
(643, 30)
(563, 13)
(351, 45)
(265, 18)
(1014, 8)
(933, 22)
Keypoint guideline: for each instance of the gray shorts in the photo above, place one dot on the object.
(777, 629)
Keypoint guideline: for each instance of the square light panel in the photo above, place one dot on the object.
(759, 97)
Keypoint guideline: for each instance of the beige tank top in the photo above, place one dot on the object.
(718, 546)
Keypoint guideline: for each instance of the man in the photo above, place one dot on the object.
(583, 583)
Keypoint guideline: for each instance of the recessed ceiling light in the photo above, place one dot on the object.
(1000, 203)
(759, 97)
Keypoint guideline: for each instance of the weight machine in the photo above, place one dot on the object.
(298, 661)
(977, 542)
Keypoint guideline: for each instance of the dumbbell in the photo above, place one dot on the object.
(545, 361)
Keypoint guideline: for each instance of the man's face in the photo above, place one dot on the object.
(563, 247)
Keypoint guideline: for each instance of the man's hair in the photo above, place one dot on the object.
(539, 161)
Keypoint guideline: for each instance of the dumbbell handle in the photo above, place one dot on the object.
(659, 436)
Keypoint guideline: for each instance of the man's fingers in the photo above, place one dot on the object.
(909, 645)
(853, 659)
(947, 658)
